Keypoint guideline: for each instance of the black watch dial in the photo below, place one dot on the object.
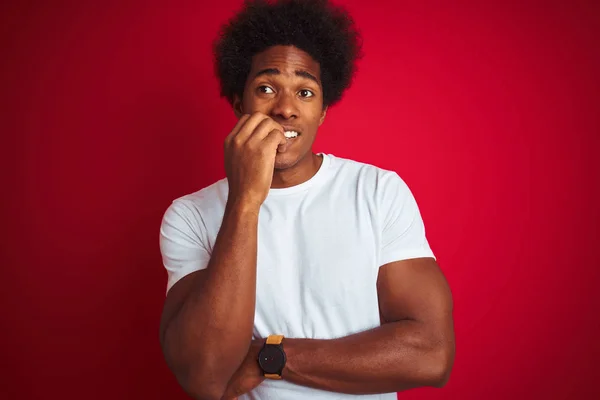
(271, 359)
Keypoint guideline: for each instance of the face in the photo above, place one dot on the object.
(285, 84)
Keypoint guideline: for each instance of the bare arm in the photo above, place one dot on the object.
(208, 317)
(414, 347)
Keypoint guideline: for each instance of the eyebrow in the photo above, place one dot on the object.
(275, 71)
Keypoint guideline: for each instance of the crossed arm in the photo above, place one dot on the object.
(206, 336)
(413, 347)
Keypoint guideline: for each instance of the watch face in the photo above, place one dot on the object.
(271, 359)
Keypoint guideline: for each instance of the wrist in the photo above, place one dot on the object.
(272, 357)
(293, 352)
(242, 207)
(289, 355)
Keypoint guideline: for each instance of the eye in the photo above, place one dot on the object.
(265, 89)
(306, 93)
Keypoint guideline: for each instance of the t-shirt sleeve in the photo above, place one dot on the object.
(182, 247)
(403, 232)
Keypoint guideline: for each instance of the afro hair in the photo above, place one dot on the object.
(324, 31)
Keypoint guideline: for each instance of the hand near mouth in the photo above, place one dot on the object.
(250, 151)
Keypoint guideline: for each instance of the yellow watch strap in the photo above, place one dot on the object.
(274, 339)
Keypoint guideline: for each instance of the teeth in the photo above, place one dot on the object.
(290, 134)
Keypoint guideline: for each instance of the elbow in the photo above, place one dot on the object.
(205, 395)
(441, 367)
(199, 379)
(200, 387)
(440, 379)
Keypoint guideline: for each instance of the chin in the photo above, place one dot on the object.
(285, 161)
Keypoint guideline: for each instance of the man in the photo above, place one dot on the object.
(300, 275)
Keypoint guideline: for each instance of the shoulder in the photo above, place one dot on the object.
(367, 176)
(200, 204)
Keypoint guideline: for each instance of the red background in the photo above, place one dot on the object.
(490, 112)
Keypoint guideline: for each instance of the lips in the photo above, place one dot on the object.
(291, 132)
(291, 128)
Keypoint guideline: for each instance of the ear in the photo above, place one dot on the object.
(237, 106)
(323, 114)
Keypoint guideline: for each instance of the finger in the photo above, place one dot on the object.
(241, 121)
(249, 127)
(263, 129)
(276, 141)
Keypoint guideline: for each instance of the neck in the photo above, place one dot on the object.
(305, 169)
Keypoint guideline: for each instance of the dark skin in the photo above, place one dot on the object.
(284, 84)
(414, 346)
(205, 333)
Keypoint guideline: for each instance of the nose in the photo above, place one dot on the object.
(284, 106)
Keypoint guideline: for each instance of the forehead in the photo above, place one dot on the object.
(287, 59)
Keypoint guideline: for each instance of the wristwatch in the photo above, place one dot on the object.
(271, 357)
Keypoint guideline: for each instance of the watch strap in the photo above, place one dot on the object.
(274, 339)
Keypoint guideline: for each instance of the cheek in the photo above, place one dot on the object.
(249, 102)
(316, 120)
(251, 105)
(320, 120)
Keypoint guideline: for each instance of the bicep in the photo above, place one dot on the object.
(176, 297)
(415, 289)
(185, 258)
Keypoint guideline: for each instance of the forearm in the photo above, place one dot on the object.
(211, 333)
(394, 357)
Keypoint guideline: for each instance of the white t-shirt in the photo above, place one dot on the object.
(320, 245)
